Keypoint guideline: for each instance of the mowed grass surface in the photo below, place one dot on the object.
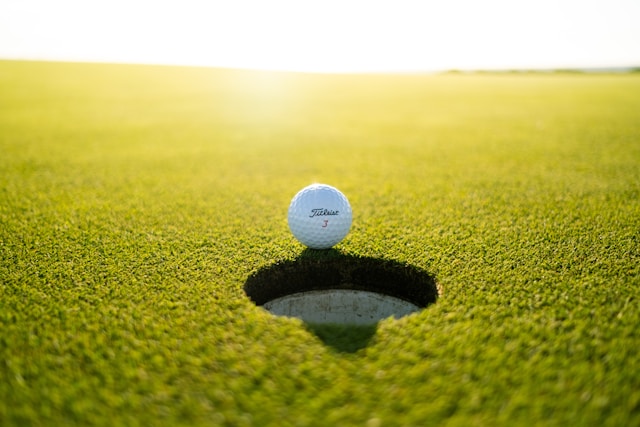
(135, 201)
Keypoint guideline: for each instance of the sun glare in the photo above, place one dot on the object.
(326, 36)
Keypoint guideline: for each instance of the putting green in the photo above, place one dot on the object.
(136, 202)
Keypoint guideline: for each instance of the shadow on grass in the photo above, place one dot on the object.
(343, 338)
(316, 271)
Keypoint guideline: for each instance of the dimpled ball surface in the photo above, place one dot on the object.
(319, 216)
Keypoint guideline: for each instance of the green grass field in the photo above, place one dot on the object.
(135, 201)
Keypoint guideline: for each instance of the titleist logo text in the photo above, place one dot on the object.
(322, 212)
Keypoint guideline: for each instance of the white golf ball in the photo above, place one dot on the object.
(319, 216)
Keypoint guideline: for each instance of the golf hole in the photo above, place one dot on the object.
(326, 287)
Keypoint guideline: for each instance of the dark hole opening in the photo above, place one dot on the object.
(317, 271)
(327, 270)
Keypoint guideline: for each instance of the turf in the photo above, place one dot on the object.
(135, 201)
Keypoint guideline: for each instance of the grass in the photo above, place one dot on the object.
(135, 201)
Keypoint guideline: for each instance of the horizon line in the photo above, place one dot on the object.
(622, 69)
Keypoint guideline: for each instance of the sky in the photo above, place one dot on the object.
(327, 35)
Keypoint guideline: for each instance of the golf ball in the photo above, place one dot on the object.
(319, 216)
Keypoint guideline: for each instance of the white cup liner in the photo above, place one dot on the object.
(340, 306)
